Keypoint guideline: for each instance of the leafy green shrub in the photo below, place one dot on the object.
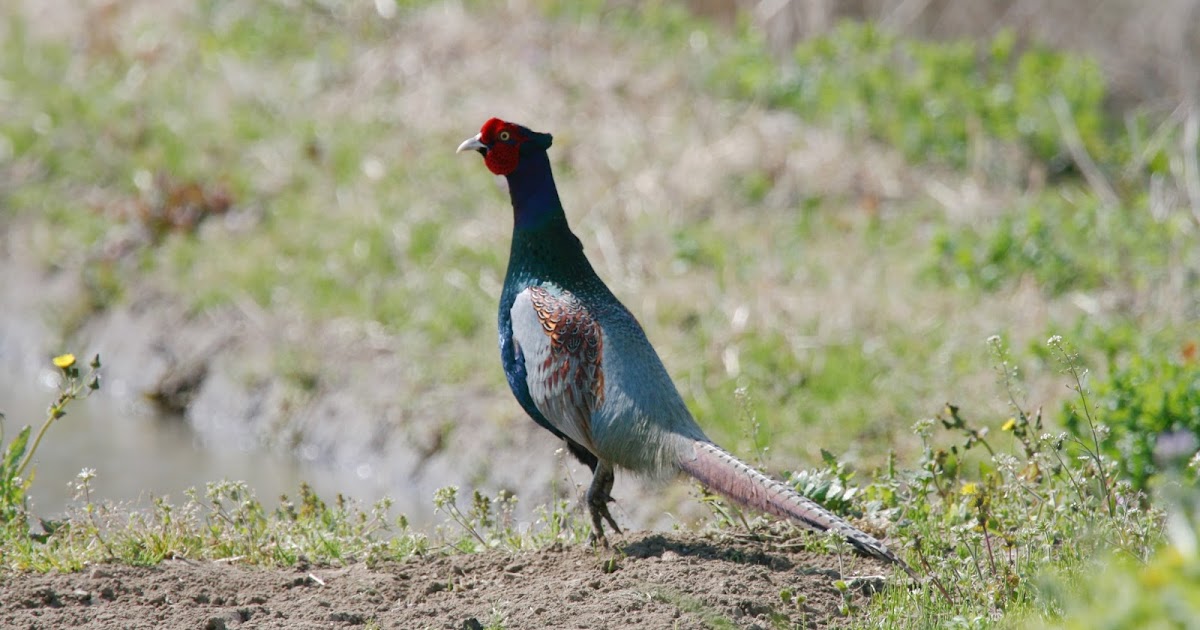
(931, 100)
(1139, 402)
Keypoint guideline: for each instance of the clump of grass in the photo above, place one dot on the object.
(833, 485)
(227, 523)
(489, 523)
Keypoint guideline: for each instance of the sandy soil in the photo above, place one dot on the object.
(658, 581)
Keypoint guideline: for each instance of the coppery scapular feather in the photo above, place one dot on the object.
(581, 366)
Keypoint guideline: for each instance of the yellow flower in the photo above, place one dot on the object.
(1008, 426)
(64, 361)
(969, 488)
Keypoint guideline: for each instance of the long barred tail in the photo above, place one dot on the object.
(726, 474)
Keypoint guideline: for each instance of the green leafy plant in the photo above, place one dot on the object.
(831, 486)
(489, 523)
(18, 453)
(1145, 400)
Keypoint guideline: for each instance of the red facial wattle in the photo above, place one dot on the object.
(502, 158)
(503, 142)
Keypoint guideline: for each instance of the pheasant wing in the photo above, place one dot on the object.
(562, 347)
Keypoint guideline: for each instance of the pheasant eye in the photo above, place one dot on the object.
(504, 136)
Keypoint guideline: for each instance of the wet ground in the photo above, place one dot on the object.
(137, 453)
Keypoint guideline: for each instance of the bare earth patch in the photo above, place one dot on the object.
(659, 581)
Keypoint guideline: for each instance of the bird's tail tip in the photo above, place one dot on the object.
(721, 471)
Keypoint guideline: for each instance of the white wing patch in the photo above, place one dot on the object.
(563, 347)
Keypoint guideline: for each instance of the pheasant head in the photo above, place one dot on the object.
(502, 145)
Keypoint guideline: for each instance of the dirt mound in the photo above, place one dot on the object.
(647, 581)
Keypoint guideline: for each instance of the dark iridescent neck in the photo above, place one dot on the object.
(534, 196)
(543, 246)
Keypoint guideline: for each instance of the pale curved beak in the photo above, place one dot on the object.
(472, 144)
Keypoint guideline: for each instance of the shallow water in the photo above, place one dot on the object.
(139, 455)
